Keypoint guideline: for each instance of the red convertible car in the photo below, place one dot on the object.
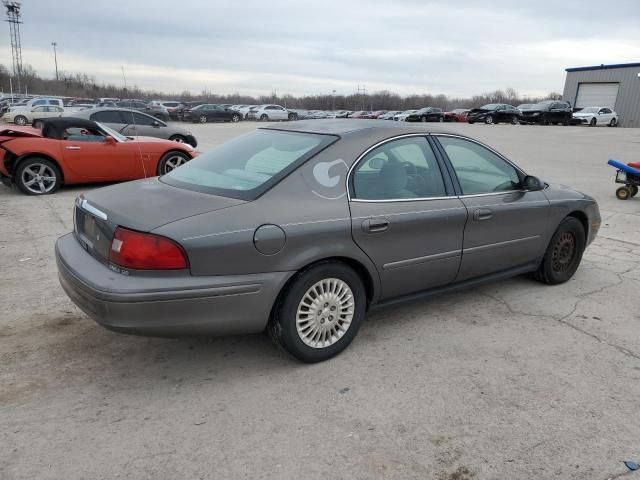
(72, 150)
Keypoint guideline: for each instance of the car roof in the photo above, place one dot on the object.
(346, 126)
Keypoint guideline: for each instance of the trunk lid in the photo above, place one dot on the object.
(142, 205)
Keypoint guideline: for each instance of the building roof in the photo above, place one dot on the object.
(602, 67)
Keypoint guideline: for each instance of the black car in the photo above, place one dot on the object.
(494, 113)
(427, 114)
(211, 112)
(141, 107)
(547, 112)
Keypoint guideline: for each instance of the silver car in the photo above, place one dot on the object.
(132, 123)
(301, 229)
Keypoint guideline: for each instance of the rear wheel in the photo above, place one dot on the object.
(423, 119)
(38, 176)
(624, 193)
(172, 160)
(564, 253)
(514, 120)
(320, 312)
(634, 190)
(235, 118)
(20, 120)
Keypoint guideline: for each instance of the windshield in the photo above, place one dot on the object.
(589, 110)
(111, 132)
(490, 106)
(249, 165)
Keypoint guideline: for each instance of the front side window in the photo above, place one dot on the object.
(400, 169)
(248, 165)
(478, 169)
(39, 109)
(39, 102)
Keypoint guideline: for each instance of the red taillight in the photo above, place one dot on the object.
(144, 251)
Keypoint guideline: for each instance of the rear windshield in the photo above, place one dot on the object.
(249, 165)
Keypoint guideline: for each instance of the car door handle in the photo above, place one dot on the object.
(482, 214)
(72, 147)
(375, 225)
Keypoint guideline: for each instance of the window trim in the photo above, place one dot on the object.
(349, 184)
(521, 173)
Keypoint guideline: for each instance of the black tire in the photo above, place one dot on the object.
(564, 253)
(282, 326)
(293, 116)
(593, 122)
(423, 119)
(489, 120)
(470, 122)
(441, 119)
(171, 160)
(514, 120)
(235, 118)
(178, 138)
(264, 117)
(545, 120)
(634, 190)
(203, 119)
(20, 120)
(30, 164)
(613, 123)
(623, 193)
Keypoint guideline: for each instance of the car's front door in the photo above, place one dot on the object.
(604, 116)
(507, 226)
(405, 215)
(90, 156)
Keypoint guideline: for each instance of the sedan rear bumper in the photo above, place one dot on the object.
(174, 304)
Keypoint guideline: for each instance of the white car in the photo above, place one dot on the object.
(389, 115)
(269, 112)
(38, 102)
(24, 117)
(244, 110)
(593, 116)
(401, 117)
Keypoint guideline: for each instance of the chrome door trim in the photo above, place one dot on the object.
(418, 260)
(498, 244)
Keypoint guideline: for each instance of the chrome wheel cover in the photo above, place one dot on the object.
(39, 178)
(173, 162)
(325, 313)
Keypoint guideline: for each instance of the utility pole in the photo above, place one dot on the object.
(333, 101)
(55, 58)
(13, 19)
(362, 89)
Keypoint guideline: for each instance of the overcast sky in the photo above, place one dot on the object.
(459, 48)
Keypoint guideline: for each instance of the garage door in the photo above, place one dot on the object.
(597, 95)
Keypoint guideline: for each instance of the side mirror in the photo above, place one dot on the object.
(376, 163)
(110, 140)
(532, 184)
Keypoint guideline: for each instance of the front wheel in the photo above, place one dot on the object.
(264, 117)
(489, 120)
(178, 138)
(423, 119)
(172, 160)
(624, 193)
(20, 120)
(320, 313)
(292, 117)
(564, 253)
(514, 120)
(38, 176)
(441, 119)
(235, 118)
(203, 119)
(634, 190)
(613, 123)
(593, 122)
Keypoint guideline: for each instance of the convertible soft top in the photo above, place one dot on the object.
(56, 127)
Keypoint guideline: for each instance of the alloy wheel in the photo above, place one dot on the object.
(173, 162)
(325, 313)
(564, 252)
(203, 119)
(39, 178)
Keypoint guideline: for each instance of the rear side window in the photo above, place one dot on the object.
(400, 169)
(249, 165)
(478, 169)
(109, 116)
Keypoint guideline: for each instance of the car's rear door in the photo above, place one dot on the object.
(507, 226)
(117, 120)
(405, 215)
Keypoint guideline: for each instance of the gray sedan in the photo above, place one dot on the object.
(133, 123)
(301, 229)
